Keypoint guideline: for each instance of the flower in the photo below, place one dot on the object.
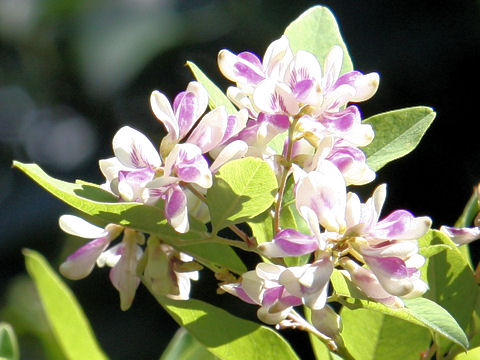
(388, 246)
(122, 258)
(81, 263)
(137, 173)
(169, 271)
(262, 287)
(461, 236)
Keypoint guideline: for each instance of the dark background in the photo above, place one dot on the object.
(73, 72)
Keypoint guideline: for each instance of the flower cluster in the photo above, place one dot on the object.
(283, 98)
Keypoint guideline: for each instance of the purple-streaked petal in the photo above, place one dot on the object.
(272, 295)
(187, 162)
(133, 149)
(272, 97)
(367, 282)
(236, 290)
(402, 225)
(461, 236)
(244, 68)
(132, 183)
(289, 242)
(398, 249)
(393, 274)
(176, 209)
(253, 286)
(303, 76)
(80, 264)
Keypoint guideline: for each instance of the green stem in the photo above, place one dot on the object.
(286, 173)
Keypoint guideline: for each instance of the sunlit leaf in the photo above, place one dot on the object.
(371, 335)
(397, 133)
(316, 31)
(65, 315)
(242, 189)
(225, 335)
(450, 278)
(93, 201)
(419, 311)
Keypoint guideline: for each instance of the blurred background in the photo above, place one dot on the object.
(74, 71)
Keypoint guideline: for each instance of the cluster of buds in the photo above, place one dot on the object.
(308, 106)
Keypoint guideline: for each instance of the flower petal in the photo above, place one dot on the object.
(133, 149)
(80, 264)
(76, 226)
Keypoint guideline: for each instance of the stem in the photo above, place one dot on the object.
(298, 322)
(286, 173)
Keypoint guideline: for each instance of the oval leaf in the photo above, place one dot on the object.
(450, 278)
(419, 311)
(316, 31)
(69, 324)
(241, 190)
(370, 335)
(397, 133)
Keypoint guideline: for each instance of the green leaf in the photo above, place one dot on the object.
(69, 324)
(93, 201)
(436, 318)
(472, 354)
(262, 227)
(472, 208)
(370, 335)
(397, 133)
(184, 346)
(217, 254)
(316, 31)
(226, 336)
(8, 343)
(419, 311)
(450, 278)
(216, 97)
(242, 189)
